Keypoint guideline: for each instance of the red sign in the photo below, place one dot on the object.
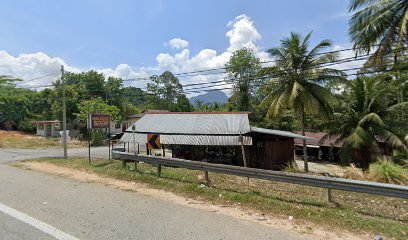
(97, 120)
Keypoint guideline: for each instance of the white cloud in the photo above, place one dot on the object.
(241, 33)
(178, 43)
(34, 65)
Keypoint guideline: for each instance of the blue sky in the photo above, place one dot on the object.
(103, 34)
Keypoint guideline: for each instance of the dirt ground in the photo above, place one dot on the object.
(308, 229)
(17, 139)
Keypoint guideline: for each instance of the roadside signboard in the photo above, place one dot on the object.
(98, 120)
(153, 141)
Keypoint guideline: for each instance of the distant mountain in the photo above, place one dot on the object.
(210, 97)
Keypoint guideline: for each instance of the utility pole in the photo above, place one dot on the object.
(64, 114)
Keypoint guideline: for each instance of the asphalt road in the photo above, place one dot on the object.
(34, 205)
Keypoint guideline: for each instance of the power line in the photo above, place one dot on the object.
(336, 62)
(182, 74)
(265, 84)
(223, 81)
(33, 79)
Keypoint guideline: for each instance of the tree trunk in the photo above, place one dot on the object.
(302, 126)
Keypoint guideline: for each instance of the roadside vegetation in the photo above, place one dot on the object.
(16, 139)
(358, 213)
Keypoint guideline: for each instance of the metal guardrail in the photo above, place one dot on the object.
(329, 183)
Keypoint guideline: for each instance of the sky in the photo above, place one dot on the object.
(132, 39)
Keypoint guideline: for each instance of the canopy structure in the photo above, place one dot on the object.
(199, 128)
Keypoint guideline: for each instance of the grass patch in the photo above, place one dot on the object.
(353, 211)
(386, 171)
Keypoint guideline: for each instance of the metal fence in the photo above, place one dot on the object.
(295, 178)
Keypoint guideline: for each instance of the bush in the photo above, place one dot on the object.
(98, 135)
(27, 126)
(352, 172)
(291, 167)
(386, 171)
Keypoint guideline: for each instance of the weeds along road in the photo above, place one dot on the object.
(34, 205)
(14, 154)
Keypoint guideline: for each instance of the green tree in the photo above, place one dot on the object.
(242, 69)
(382, 22)
(114, 93)
(94, 84)
(367, 118)
(297, 80)
(14, 108)
(96, 105)
(166, 92)
(135, 96)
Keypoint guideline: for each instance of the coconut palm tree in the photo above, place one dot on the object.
(298, 78)
(368, 119)
(382, 22)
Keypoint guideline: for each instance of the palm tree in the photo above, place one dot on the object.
(368, 118)
(382, 22)
(298, 78)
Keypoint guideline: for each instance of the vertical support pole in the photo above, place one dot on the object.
(138, 148)
(329, 195)
(159, 165)
(89, 145)
(134, 138)
(206, 178)
(134, 143)
(64, 114)
(241, 139)
(147, 149)
(124, 146)
(128, 146)
(109, 142)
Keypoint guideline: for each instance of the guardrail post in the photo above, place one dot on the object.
(123, 163)
(328, 190)
(158, 170)
(329, 195)
(159, 165)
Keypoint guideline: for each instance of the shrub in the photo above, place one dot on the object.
(291, 167)
(386, 171)
(352, 172)
(98, 136)
(27, 126)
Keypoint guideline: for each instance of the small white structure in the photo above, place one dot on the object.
(115, 127)
(47, 128)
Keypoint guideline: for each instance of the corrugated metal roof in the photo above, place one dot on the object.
(194, 123)
(209, 128)
(220, 129)
(279, 133)
(201, 140)
(316, 139)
